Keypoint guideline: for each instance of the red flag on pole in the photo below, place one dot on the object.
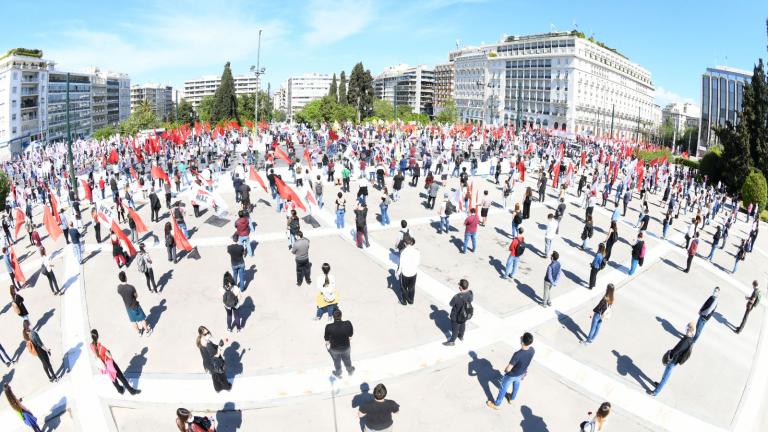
(158, 173)
(53, 228)
(121, 235)
(254, 175)
(19, 220)
(178, 236)
(557, 174)
(282, 155)
(286, 192)
(112, 160)
(311, 198)
(308, 157)
(140, 227)
(17, 273)
(133, 174)
(87, 189)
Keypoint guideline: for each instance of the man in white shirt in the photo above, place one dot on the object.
(407, 271)
(550, 234)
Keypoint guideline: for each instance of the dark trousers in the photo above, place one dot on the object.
(408, 288)
(46, 361)
(97, 229)
(362, 235)
(302, 271)
(155, 214)
(341, 355)
(66, 234)
(4, 355)
(234, 319)
(120, 377)
(744, 319)
(149, 275)
(52, 282)
(431, 202)
(457, 330)
(592, 276)
(688, 264)
(171, 253)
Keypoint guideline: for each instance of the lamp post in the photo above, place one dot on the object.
(70, 157)
(258, 71)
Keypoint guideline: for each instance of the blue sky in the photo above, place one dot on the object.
(171, 41)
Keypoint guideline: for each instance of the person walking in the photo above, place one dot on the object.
(551, 278)
(36, 347)
(705, 312)
(470, 231)
(384, 209)
(76, 240)
(434, 187)
(515, 372)
(46, 268)
(243, 229)
(516, 249)
(144, 265)
(678, 355)
(64, 225)
(598, 263)
(550, 234)
(341, 204)
(377, 414)
(300, 250)
(692, 248)
(170, 243)
(741, 254)
(587, 232)
(96, 224)
(446, 210)
(154, 205)
(598, 422)
(613, 237)
(236, 253)
(26, 415)
(327, 298)
(131, 301)
(361, 225)
(109, 367)
(17, 303)
(752, 301)
(213, 359)
(638, 253)
(178, 215)
(485, 204)
(232, 300)
(9, 267)
(337, 335)
(461, 312)
(407, 270)
(600, 313)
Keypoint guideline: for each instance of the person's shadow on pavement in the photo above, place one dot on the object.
(442, 320)
(228, 419)
(485, 373)
(626, 366)
(532, 423)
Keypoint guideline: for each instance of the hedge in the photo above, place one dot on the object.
(648, 156)
(687, 162)
(755, 190)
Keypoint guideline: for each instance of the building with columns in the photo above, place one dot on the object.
(722, 93)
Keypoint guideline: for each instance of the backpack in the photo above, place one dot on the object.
(230, 299)
(203, 422)
(465, 313)
(449, 208)
(587, 426)
(401, 243)
(694, 247)
(685, 355)
(520, 248)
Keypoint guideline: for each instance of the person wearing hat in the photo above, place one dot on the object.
(144, 264)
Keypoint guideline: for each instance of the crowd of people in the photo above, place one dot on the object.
(193, 164)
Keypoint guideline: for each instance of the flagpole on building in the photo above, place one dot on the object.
(70, 156)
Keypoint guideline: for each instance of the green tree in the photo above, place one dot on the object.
(735, 157)
(449, 113)
(245, 106)
(205, 108)
(186, 112)
(755, 115)
(104, 132)
(224, 100)
(143, 117)
(711, 166)
(667, 132)
(360, 91)
(325, 110)
(343, 88)
(755, 190)
(5, 189)
(279, 115)
(332, 92)
(383, 109)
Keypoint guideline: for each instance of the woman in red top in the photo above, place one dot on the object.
(109, 366)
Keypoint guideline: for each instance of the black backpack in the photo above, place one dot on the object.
(401, 243)
(229, 298)
(203, 422)
(449, 208)
(465, 313)
(520, 248)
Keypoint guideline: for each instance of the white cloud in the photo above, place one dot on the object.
(330, 21)
(665, 97)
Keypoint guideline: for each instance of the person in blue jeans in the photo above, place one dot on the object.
(384, 207)
(340, 210)
(638, 253)
(511, 267)
(515, 371)
(443, 214)
(470, 231)
(599, 314)
(705, 312)
(674, 357)
(236, 253)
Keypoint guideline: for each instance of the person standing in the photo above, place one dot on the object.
(638, 253)
(341, 204)
(741, 253)
(337, 335)
(26, 415)
(154, 205)
(752, 301)
(461, 312)
(377, 414)
(692, 248)
(485, 204)
(46, 268)
(178, 215)
(36, 347)
(598, 262)
(384, 208)
(132, 307)
(515, 372)
(17, 303)
(77, 245)
(613, 237)
(96, 224)
(213, 359)
(327, 298)
(109, 367)
(407, 270)
(705, 312)
(527, 203)
(361, 225)
(470, 231)
(432, 195)
(551, 278)
(587, 232)
(232, 300)
(600, 313)
(676, 356)
(118, 254)
(597, 423)
(550, 234)
(300, 250)
(445, 211)
(64, 224)
(560, 213)
(144, 265)
(243, 228)
(715, 241)
(236, 253)
(9, 267)
(516, 249)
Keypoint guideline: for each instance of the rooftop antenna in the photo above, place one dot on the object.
(457, 44)
(575, 25)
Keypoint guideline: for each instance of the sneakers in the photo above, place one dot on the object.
(491, 405)
(449, 343)
(336, 374)
(351, 371)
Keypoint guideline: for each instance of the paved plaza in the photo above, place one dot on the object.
(281, 371)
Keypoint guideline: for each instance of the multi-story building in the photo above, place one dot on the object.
(555, 80)
(279, 100)
(682, 115)
(722, 91)
(195, 90)
(159, 97)
(300, 90)
(406, 85)
(98, 100)
(23, 108)
(80, 117)
(444, 79)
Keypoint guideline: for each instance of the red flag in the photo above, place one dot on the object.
(521, 168)
(233, 124)
(87, 189)
(17, 273)
(178, 235)
(557, 174)
(254, 175)
(308, 157)
(158, 173)
(311, 198)
(140, 227)
(583, 158)
(121, 235)
(133, 174)
(263, 125)
(664, 160)
(53, 228)
(112, 160)
(19, 220)
(281, 154)
(562, 149)
(332, 135)
(249, 124)
(529, 150)
(286, 192)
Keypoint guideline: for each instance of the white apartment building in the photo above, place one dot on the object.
(682, 115)
(80, 116)
(444, 81)
(406, 85)
(279, 100)
(300, 90)
(23, 109)
(560, 81)
(195, 90)
(159, 97)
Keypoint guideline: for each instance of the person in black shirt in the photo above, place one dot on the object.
(236, 253)
(361, 225)
(676, 356)
(377, 414)
(458, 302)
(337, 336)
(515, 371)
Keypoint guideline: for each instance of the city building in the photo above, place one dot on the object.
(195, 90)
(98, 101)
(722, 91)
(23, 109)
(159, 97)
(407, 85)
(80, 118)
(682, 115)
(444, 79)
(558, 81)
(279, 100)
(300, 90)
